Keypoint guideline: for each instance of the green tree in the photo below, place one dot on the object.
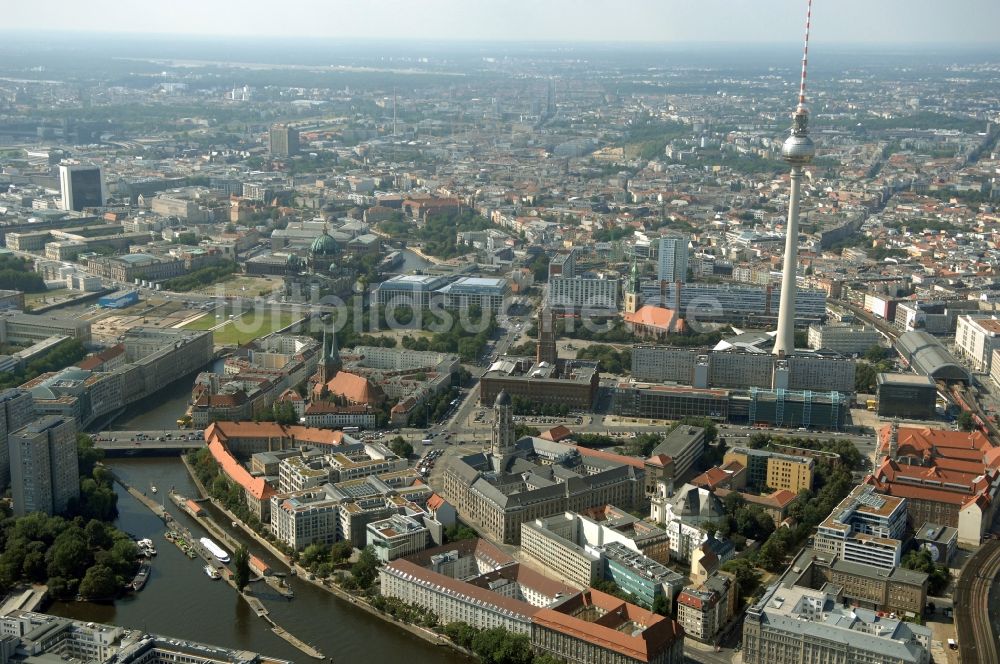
(965, 421)
(746, 575)
(661, 605)
(341, 551)
(461, 633)
(241, 567)
(400, 447)
(99, 582)
(366, 569)
(88, 456)
(499, 646)
(314, 555)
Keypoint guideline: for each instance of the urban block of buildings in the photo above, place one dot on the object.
(951, 478)
(521, 480)
(791, 625)
(474, 582)
(30, 636)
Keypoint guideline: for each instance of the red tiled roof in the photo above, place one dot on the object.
(711, 478)
(556, 433)
(610, 456)
(255, 486)
(659, 633)
(353, 387)
(435, 501)
(658, 318)
(662, 460)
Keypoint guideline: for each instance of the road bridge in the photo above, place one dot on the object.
(168, 441)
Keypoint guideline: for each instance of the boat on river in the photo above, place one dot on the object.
(212, 572)
(215, 549)
(146, 547)
(139, 581)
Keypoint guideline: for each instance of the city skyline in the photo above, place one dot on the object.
(557, 21)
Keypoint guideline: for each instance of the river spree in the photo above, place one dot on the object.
(180, 600)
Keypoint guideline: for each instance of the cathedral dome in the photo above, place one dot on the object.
(324, 245)
(503, 399)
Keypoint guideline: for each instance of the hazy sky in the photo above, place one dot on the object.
(835, 21)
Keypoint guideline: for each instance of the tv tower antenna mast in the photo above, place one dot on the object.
(798, 150)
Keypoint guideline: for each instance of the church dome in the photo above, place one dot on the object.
(503, 399)
(324, 245)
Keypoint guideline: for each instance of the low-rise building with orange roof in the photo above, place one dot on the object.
(951, 478)
(655, 322)
(596, 627)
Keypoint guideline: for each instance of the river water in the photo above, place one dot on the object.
(181, 600)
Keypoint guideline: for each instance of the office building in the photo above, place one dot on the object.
(975, 340)
(672, 259)
(734, 303)
(562, 265)
(41, 637)
(410, 290)
(26, 329)
(640, 576)
(899, 590)
(803, 626)
(732, 366)
(675, 455)
(518, 481)
(939, 541)
(951, 478)
(573, 383)
(44, 473)
(584, 292)
(397, 536)
(906, 396)
(767, 469)
(790, 408)
(571, 544)
(81, 186)
(485, 293)
(865, 528)
(703, 610)
(843, 339)
(284, 141)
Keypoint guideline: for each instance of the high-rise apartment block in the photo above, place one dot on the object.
(284, 140)
(81, 186)
(17, 408)
(43, 465)
(673, 259)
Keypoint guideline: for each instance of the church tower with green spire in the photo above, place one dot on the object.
(632, 295)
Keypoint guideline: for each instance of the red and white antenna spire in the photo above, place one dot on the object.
(801, 108)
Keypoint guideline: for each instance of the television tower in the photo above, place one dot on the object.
(798, 151)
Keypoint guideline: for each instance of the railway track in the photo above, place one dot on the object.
(976, 640)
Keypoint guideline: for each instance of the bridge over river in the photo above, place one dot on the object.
(169, 441)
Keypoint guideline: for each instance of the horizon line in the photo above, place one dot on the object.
(466, 41)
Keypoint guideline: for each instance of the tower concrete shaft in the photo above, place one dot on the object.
(784, 341)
